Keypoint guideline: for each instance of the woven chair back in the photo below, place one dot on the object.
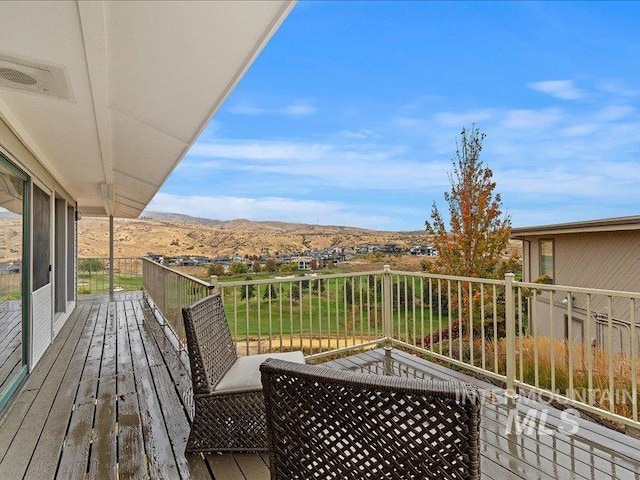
(211, 348)
(329, 424)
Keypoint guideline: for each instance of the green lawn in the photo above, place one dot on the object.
(306, 312)
(98, 282)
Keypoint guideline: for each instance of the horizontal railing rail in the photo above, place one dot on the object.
(93, 274)
(573, 345)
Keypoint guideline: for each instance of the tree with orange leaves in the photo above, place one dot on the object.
(478, 232)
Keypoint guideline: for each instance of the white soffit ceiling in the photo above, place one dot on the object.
(122, 89)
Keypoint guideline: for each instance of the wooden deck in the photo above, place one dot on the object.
(10, 342)
(108, 401)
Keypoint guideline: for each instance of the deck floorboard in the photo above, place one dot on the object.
(111, 399)
(46, 456)
(25, 441)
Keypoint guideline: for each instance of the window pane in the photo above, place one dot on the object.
(11, 248)
(71, 253)
(546, 257)
(41, 238)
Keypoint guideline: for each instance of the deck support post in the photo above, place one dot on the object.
(110, 257)
(510, 318)
(387, 313)
(213, 284)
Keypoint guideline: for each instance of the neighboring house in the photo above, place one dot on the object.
(600, 254)
(304, 263)
(188, 262)
(423, 251)
(99, 102)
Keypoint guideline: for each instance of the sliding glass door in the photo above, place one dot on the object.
(14, 268)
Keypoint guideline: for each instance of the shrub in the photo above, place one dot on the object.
(289, 267)
(238, 268)
(215, 269)
(90, 265)
(270, 265)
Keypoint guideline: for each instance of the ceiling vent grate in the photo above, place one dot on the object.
(28, 75)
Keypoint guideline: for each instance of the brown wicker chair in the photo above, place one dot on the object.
(332, 424)
(227, 393)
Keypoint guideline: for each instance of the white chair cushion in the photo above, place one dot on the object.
(244, 374)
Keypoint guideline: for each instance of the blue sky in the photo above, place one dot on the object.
(350, 115)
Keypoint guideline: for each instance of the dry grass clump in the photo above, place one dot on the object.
(552, 357)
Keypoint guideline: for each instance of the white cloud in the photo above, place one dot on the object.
(360, 134)
(566, 212)
(244, 109)
(617, 88)
(576, 178)
(547, 181)
(392, 166)
(531, 119)
(265, 208)
(612, 113)
(260, 150)
(361, 165)
(297, 109)
(579, 130)
(562, 89)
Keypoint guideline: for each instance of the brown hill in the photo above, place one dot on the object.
(171, 234)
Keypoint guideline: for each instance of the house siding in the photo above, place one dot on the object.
(600, 260)
(606, 260)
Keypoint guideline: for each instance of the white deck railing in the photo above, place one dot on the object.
(93, 274)
(573, 345)
(169, 290)
(320, 314)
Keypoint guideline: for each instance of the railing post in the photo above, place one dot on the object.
(110, 257)
(510, 318)
(213, 284)
(387, 312)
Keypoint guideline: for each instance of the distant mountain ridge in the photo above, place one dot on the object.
(245, 224)
(178, 234)
(178, 217)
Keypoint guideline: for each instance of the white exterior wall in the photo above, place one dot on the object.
(41, 321)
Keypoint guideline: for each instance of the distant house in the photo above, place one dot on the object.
(601, 254)
(391, 248)
(362, 249)
(188, 262)
(423, 251)
(304, 263)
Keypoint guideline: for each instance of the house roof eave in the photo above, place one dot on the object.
(590, 226)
